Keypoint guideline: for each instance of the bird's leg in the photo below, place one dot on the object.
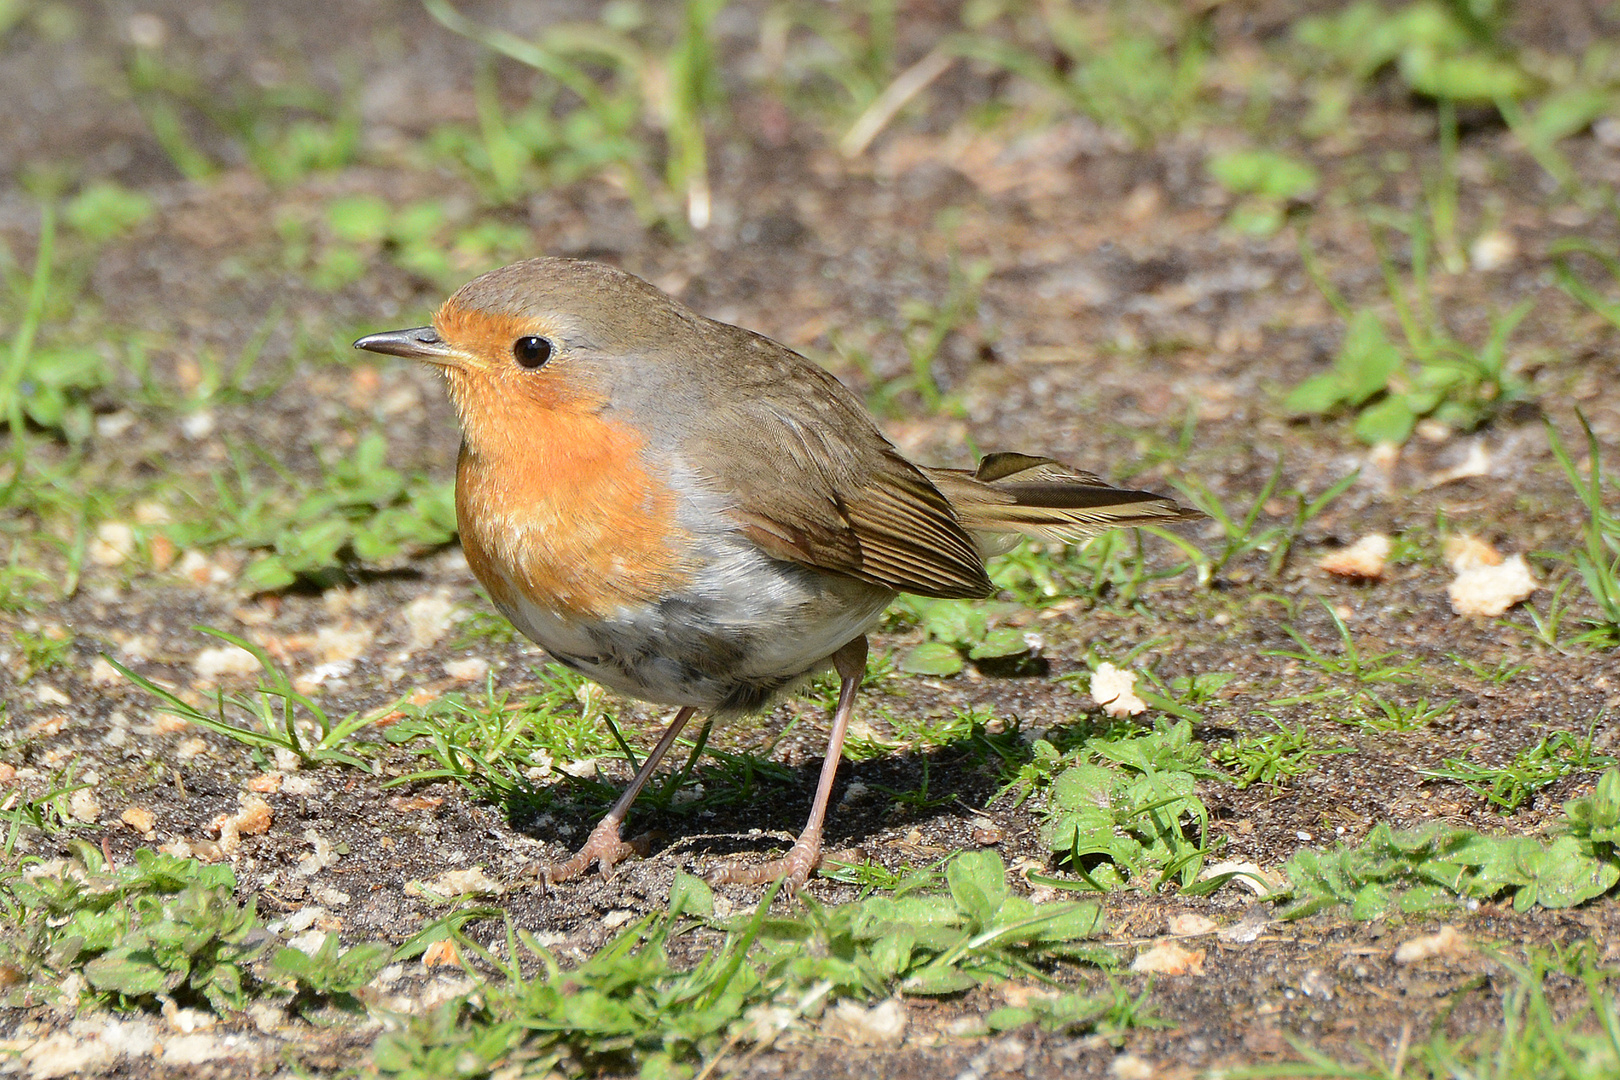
(604, 847)
(805, 854)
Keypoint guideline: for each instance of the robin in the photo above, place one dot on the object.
(695, 515)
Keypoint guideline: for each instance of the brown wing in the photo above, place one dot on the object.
(1036, 496)
(814, 482)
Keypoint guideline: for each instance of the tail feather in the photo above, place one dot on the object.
(1012, 495)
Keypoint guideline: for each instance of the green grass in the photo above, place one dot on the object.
(284, 132)
(50, 500)
(1510, 786)
(161, 929)
(1598, 562)
(48, 813)
(273, 718)
(496, 747)
(1438, 866)
(360, 512)
(1139, 69)
(1388, 384)
(1349, 662)
(1273, 757)
(629, 1007)
(1556, 1020)
(625, 74)
(1122, 807)
(956, 631)
(1241, 531)
(42, 650)
(1267, 181)
(434, 239)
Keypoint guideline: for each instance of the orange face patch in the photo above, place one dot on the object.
(553, 499)
(574, 520)
(483, 334)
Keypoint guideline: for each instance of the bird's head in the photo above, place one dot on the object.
(541, 339)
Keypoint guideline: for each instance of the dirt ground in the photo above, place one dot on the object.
(1117, 305)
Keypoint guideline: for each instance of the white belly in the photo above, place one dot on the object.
(743, 628)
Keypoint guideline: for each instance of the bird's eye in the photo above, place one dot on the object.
(531, 352)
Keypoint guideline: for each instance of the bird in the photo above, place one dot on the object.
(697, 516)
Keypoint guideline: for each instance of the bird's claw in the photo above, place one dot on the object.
(602, 848)
(793, 869)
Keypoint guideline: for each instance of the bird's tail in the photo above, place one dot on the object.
(1013, 495)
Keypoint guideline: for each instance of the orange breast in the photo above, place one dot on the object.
(565, 510)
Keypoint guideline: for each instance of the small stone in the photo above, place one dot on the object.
(343, 643)
(265, 783)
(580, 770)
(1364, 560)
(268, 1017)
(1019, 995)
(441, 954)
(187, 1021)
(151, 512)
(146, 31)
(1465, 553)
(1446, 942)
(65, 1054)
(1005, 1055)
(471, 882)
(1493, 250)
(1491, 590)
(1477, 462)
(112, 545)
(84, 806)
(1253, 923)
(138, 818)
(163, 552)
(429, 618)
(302, 786)
(49, 726)
(1244, 873)
(966, 1027)
(323, 855)
(467, 669)
(1431, 430)
(987, 833)
(46, 694)
(763, 1023)
(168, 724)
(112, 425)
(302, 919)
(329, 897)
(1315, 984)
(1130, 1067)
(615, 919)
(884, 1024)
(253, 819)
(1114, 689)
(216, 661)
(1190, 923)
(1168, 958)
(194, 566)
(199, 425)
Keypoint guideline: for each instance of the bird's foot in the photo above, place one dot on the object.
(603, 848)
(793, 869)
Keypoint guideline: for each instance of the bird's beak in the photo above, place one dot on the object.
(419, 343)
